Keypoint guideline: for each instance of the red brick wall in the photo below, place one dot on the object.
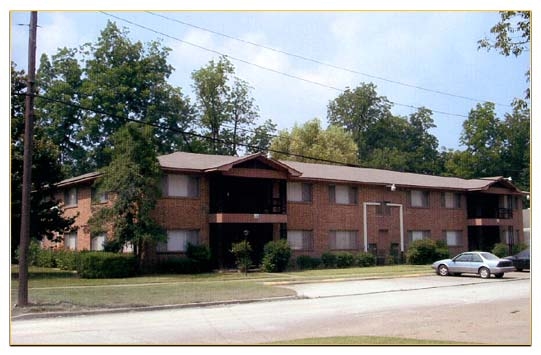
(321, 216)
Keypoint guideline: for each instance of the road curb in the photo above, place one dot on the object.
(27, 316)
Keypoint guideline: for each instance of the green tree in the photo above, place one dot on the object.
(133, 177)
(312, 141)
(482, 135)
(512, 36)
(226, 110)
(260, 140)
(46, 213)
(116, 79)
(356, 110)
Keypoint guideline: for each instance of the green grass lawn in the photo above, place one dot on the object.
(53, 289)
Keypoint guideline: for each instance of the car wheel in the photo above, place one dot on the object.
(443, 270)
(499, 276)
(484, 273)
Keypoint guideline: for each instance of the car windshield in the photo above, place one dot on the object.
(489, 256)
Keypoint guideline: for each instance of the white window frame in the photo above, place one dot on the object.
(343, 194)
(70, 241)
(177, 185)
(96, 242)
(300, 239)
(453, 238)
(70, 197)
(299, 192)
(414, 235)
(419, 198)
(178, 240)
(343, 239)
(451, 200)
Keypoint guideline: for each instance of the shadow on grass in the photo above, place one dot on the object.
(42, 274)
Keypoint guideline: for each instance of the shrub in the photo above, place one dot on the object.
(66, 259)
(45, 258)
(242, 251)
(366, 259)
(276, 255)
(329, 260)
(426, 251)
(306, 262)
(200, 255)
(96, 265)
(344, 260)
(502, 249)
(178, 265)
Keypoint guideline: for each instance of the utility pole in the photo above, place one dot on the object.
(27, 164)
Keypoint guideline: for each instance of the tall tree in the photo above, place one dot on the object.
(133, 178)
(46, 213)
(310, 140)
(260, 140)
(512, 36)
(226, 109)
(118, 80)
(482, 137)
(356, 110)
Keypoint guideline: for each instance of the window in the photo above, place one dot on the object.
(343, 194)
(343, 240)
(99, 197)
(70, 197)
(450, 200)
(383, 209)
(70, 241)
(419, 198)
(300, 239)
(418, 235)
(180, 186)
(299, 192)
(453, 237)
(178, 240)
(97, 242)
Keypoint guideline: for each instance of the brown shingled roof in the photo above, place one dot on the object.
(202, 163)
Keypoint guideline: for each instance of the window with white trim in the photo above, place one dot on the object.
(418, 235)
(343, 194)
(453, 237)
(175, 185)
(97, 242)
(70, 197)
(450, 200)
(99, 196)
(343, 240)
(300, 239)
(299, 192)
(419, 198)
(178, 240)
(70, 241)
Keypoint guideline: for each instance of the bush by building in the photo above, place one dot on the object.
(426, 251)
(98, 265)
(276, 255)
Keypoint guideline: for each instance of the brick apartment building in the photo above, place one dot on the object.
(218, 200)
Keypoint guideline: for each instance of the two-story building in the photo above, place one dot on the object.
(218, 200)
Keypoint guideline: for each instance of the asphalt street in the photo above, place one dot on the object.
(466, 309)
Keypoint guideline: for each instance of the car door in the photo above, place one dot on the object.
(460, 263)
(473, 264)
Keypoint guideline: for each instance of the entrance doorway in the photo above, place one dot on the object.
(223, 235)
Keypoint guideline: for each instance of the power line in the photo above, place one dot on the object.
(263, 67)
(316, 61)
(184, 133)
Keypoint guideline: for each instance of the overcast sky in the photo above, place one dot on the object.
(435, 51)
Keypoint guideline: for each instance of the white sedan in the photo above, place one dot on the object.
(474, 262)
